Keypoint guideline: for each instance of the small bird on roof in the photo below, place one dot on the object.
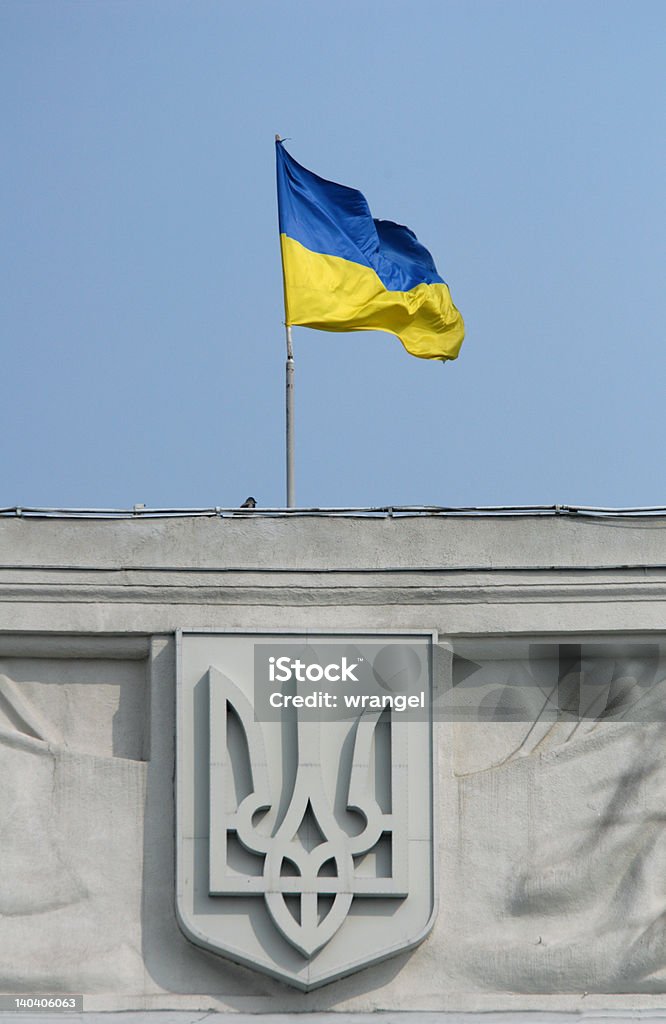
(249, 503)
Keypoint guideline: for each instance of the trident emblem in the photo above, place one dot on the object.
(305, 848)
(309, 876)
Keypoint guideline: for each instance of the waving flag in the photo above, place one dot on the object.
(345, 271)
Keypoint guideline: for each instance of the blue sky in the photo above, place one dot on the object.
(140, 285)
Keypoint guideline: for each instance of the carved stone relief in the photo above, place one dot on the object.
(300, 850)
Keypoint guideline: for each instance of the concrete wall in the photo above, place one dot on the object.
(551, 846)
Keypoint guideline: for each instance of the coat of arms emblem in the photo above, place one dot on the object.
(305, 798)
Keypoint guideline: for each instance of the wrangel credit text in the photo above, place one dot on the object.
(323, 699)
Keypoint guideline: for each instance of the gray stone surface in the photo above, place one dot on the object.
(551, 844)
(196, 1017)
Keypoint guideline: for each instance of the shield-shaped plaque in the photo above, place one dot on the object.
(305, 798)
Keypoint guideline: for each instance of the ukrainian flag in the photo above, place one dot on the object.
(344, 271)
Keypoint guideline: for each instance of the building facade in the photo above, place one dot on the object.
(541, 772)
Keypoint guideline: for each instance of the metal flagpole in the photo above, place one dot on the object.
(291, 488)
(291, 485)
